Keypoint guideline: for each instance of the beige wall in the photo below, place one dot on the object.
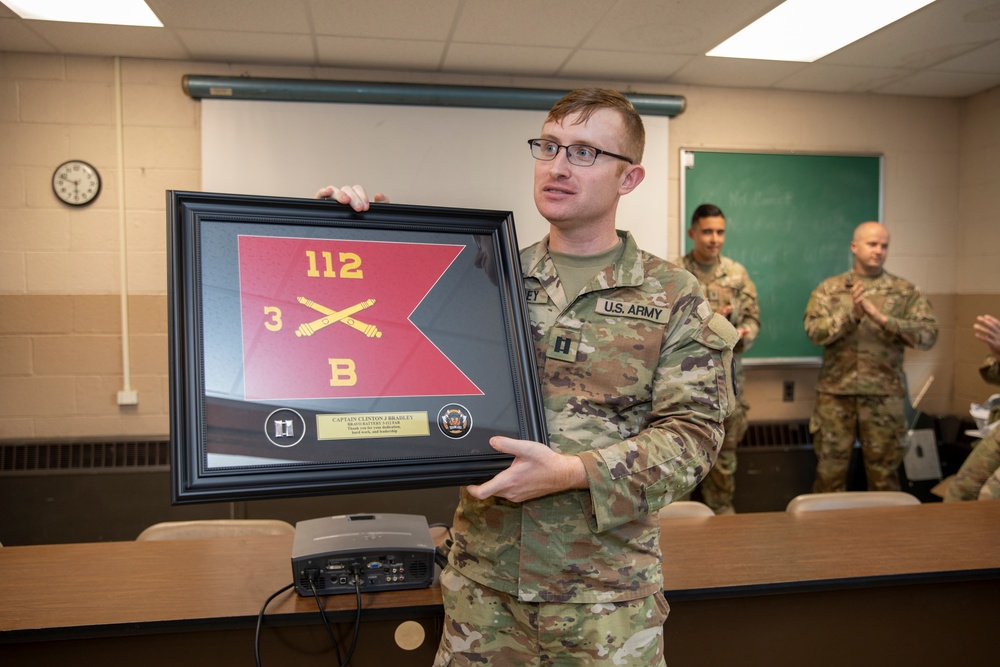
(61, 357)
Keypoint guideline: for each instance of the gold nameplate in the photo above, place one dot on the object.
(371, 425)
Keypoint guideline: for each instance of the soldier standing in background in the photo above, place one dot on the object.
(864, 319)
(734, 296)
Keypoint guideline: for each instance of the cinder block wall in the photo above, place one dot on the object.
(61, 352)
(61, 355)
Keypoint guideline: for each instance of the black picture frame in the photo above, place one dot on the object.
(297, 366)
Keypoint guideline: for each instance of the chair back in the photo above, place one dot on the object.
(185, 530)
(686, 508)
(849, 500)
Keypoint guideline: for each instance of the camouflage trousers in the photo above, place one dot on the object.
(719, 487)
(877, 421)
(979, 476)
(483, 626)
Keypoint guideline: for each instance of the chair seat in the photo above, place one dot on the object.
(849, 500)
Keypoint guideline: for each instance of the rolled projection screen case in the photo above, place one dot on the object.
(384, 551)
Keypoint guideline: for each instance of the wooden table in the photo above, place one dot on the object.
(882, 586)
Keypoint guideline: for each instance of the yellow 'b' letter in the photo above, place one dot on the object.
(342, 373)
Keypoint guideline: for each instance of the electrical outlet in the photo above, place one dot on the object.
(788, 391)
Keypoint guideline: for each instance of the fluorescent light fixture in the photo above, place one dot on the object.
(807, 30)
(116, 12)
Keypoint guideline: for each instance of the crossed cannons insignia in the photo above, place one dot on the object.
(333, 316)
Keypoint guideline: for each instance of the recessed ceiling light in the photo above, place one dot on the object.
(807, 30)
(116, 12)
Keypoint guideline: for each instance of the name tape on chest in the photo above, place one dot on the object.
(535, 296)
(640, 311)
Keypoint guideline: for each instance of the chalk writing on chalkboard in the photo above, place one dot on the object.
(789, 221)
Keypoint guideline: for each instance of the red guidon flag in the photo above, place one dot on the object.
(330, 319)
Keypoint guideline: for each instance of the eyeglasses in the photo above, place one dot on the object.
(581, 155)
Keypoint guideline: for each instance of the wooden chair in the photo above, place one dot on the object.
(185, 530)
(686, 508)
(849, 500)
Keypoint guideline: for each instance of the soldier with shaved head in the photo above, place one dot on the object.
(864, 319)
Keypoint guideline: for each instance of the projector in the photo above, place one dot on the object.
(381, 552)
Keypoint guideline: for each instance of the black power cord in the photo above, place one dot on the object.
(357, 618)
(356, 571)
(260, 621)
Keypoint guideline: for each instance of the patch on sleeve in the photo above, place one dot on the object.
(704, 310)
(659, 314)
(723, 330)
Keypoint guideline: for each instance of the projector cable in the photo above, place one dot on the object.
(357, 619)
(260, 620)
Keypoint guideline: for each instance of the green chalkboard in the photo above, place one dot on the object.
(789, 221)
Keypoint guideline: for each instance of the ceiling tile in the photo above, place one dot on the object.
(840, 78)
(93, 40)
(734, 72)
(511, 60)
(690, 27)
(15, 35)
(930, 35)
(984, 60)
(388, 19)
(379, 53)
(610, 65)
(941, 84)
(234, 46)
(287, 16)
(529, 22)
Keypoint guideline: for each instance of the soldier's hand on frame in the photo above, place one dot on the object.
(354, 196)
(536, 471)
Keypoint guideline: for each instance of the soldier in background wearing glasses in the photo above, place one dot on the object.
(556, 560)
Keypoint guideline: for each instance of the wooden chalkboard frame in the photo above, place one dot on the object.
(793, 212)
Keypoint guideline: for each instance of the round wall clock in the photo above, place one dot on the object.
(76, 182)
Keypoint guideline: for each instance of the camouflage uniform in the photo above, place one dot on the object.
(635, 378)
(727, 283)
(861, 389)
(979, 476)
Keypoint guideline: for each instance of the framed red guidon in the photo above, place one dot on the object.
(318, 350)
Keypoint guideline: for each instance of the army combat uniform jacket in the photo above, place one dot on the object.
(729, 284)
(990, 370)
(862, 358)
(635, 378)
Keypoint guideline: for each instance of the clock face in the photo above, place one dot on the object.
(76, 183)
